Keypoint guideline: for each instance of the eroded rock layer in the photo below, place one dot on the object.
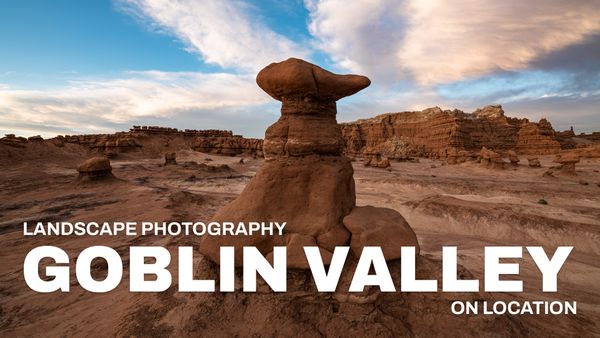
(149, 140)
(433, 132)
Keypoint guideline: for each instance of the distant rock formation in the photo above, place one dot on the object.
(432, 132)
(228, 145)
(111, 145)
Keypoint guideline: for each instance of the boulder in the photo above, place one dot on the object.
(377, 161)
(372, 226)
(95, 169)
(534, 162)
(513, 157)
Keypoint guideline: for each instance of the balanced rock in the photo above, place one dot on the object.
(95, 169)
(305, 181)
(170, 158)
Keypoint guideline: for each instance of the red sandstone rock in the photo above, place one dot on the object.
(567, 163)
(431, 132)
(377, 161)
(513, 157)
(295, 78)
(95, 168)
(305, 181)
(372, 226)
(491, 159)
(534, 162)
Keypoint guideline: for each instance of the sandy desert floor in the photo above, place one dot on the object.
(463, 205)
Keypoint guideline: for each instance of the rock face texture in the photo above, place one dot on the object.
(95, 169)
(434, 132)
(228, 145)
(305, 181)
(139, 138)
(371, 226)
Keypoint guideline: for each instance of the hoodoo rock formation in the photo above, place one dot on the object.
(566, 163)
(170, 158)
(95, 169)
(305, 181)
(491, 159)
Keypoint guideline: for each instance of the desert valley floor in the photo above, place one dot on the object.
(464, 205)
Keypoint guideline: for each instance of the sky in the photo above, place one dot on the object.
(73, 67)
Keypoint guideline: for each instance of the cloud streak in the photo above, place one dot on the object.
(137, 95)
(222, 33)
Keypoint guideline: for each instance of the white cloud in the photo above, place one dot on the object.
(223, 33)
(439, 41)
(91, 104)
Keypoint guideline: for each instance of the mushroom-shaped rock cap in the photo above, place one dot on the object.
(298, 78)
(95, 164)
(567, 158)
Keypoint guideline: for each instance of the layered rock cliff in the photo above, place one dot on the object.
(433, 132)
(149, 140)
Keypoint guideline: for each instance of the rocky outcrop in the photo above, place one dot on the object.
(305, 181)
(13, 141)
(111, 145)
(235, 145)
(433, 131)
(539, 139)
